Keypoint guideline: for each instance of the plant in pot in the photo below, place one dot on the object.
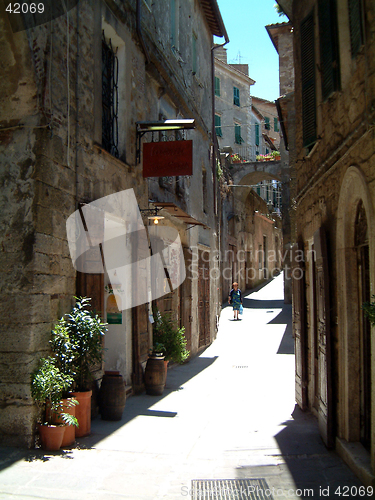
(47, 386)
(171, 336)
(78, 344)
(369, 310)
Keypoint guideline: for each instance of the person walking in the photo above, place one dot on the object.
(235, 298)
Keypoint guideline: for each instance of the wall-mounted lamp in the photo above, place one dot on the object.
(152, 214)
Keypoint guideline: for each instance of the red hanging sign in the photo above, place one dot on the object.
(167, 158)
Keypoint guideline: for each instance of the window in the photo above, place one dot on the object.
(236, 96)
(218, 130)
(174, 23)
(237, 134)
(276, 124)
(308, 82)
(355, 24)
(194, 54)
(267, 125)
(257, 134)
(109, 98)
(329, 59)
(217, 86)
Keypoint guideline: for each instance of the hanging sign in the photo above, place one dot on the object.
(167, 158)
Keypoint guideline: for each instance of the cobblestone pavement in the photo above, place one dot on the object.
(229, 414)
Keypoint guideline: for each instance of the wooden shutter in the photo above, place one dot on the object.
(267, 125)
(275, 125)
(329, 60)
(299, 325)
(355, 24)
(324, 393)
(218, 125)
(308, 81)
(217, 86)
(257, 134)
(236, 96)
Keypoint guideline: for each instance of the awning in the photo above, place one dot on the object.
(177, 212)
(269, 141)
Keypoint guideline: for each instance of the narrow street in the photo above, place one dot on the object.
(228, 414)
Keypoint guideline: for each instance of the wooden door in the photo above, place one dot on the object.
(299, 325)
(324, 391)
(203, 299)
(186, 298)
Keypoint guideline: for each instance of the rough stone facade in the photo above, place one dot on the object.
(334, 201)
(52, 159)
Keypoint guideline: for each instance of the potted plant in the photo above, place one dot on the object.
(167, 332)
(276, 155)
(77, 342)
(369, 309)
(47, 386)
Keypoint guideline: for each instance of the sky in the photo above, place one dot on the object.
(249, 43)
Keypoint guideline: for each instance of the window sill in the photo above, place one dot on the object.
(99, 148)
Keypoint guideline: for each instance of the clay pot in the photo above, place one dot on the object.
(83, 413)
(70, 430)
(51, 436)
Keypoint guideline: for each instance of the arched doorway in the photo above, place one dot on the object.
(355, 271)
(363, 273)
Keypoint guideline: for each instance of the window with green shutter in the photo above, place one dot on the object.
(329, 56)
(237, 134)
(276, 124)
(308, 81)
(267, 125)
(218, 130)
(236, 96)
(257, 134)
(217, 86)
(355, 24)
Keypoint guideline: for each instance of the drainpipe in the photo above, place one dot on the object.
(139, 31)
(77, 103)
(214, 138)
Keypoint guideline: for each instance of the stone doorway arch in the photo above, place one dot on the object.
(355, 212)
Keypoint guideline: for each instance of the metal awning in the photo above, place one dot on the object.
(177, 212)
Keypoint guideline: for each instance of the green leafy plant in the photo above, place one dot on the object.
(47, 386)
(275, 153)
(167, 333)
(77, 341)
(158, 349)
(369, 309)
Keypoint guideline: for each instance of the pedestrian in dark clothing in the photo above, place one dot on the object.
(235, 298)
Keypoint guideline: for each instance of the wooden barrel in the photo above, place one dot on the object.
(155, 376)
(112, 396)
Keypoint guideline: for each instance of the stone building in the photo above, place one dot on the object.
(232, 106)
(334, 162)
(281, 35)
(265, 122)
(72, 92)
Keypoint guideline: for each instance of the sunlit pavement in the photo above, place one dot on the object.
(227, 414)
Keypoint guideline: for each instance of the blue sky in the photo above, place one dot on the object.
(245, 22)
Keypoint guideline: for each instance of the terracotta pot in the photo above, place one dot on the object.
(70, 430)
(277, 158)
(51, 436)
(112, 396)
(155, 376)
(83, 413)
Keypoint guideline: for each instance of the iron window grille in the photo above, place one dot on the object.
(109, 98)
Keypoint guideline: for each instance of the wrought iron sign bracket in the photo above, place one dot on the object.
(161, 126)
